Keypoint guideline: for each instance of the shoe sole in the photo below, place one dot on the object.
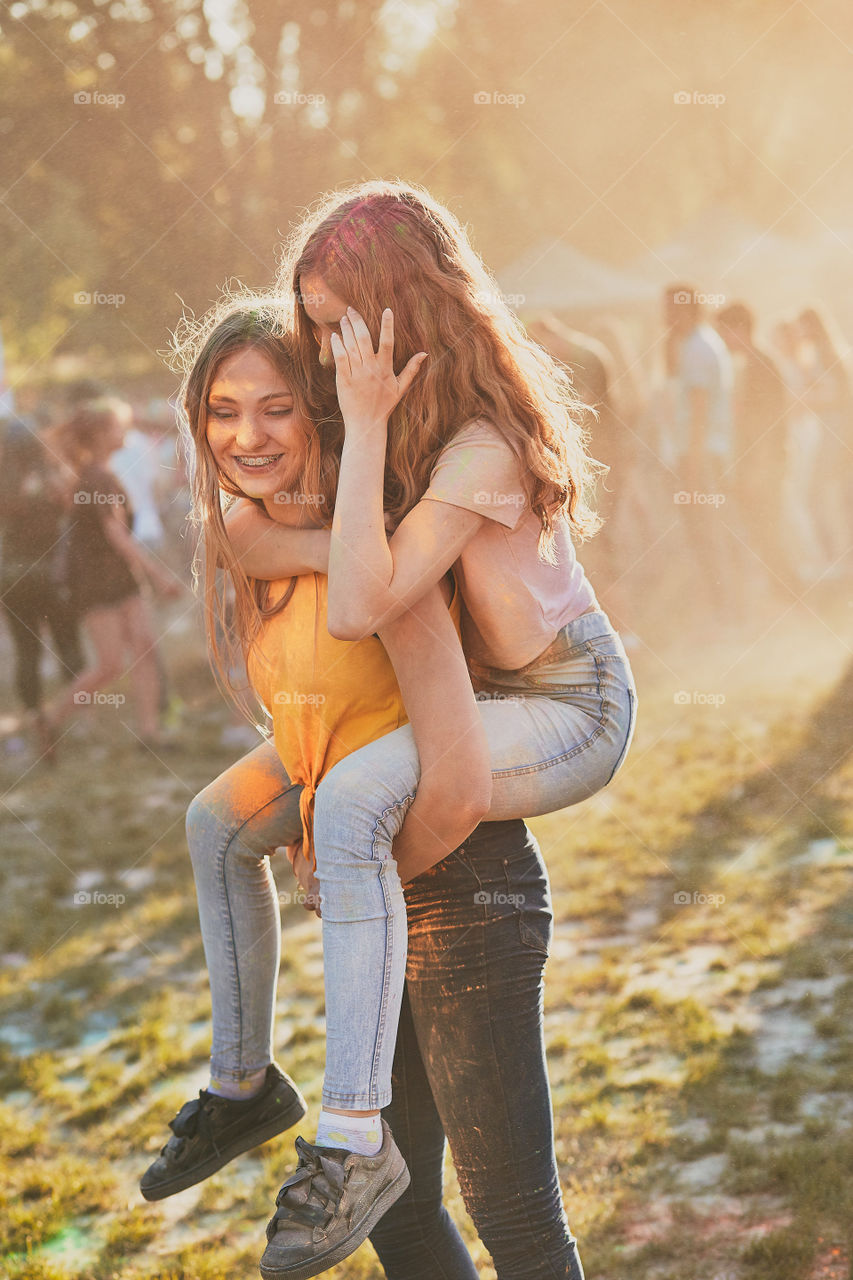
(255, 1137)
(322, 1262)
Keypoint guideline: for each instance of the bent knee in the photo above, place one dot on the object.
(372, 779)
(214, 829)
(200, 821)
(353, 811)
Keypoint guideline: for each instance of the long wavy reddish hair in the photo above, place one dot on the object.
(390, 244)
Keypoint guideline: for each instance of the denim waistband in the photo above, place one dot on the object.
(510, 838)
(587, 627)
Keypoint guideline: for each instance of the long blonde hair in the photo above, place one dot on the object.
(199, 348)
(390, 244)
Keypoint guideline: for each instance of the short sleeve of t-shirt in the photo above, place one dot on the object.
(480, 471)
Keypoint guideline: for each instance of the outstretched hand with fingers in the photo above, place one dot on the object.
(368, 388)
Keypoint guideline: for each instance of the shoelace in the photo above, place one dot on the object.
(192, 1116)
(325, 1179)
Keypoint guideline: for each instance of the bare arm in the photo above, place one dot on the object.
(372, 581)
(426, 544)
(268, 550)
(454, 793)
(144, 566)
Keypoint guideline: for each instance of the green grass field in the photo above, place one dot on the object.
(699, 1000)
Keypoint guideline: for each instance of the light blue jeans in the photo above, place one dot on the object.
(558, 731)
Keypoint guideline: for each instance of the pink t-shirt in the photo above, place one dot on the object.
(515, 602)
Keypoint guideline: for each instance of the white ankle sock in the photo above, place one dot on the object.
(361, 1134)
(238, 1090)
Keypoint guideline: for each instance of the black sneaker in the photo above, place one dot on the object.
(209, 1131)
(329, 1206)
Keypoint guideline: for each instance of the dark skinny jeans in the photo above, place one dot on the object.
(470, 1065)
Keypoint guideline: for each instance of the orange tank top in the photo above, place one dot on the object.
(326, 697)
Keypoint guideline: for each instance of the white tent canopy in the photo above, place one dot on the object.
(724, 253)
(719, 252)
(554, 276)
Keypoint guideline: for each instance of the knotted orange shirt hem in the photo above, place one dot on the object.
(326, 697)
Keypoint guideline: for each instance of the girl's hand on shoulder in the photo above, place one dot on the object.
(368, 388)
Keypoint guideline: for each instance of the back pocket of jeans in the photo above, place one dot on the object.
(535, 929)
(533, 908)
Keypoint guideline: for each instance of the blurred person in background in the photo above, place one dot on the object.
(639, 486)
(33, 565)
(172, 484)
(802, 539)
(760, 422)
(81, 392)
(827, 396)
(586, 357)
(700, 370)
(107, 568)
(699, 363)
(590, 365)
(136, 465)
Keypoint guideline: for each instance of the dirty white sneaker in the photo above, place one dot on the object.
(329, 1206)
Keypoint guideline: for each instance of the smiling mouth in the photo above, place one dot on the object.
(264, 460)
